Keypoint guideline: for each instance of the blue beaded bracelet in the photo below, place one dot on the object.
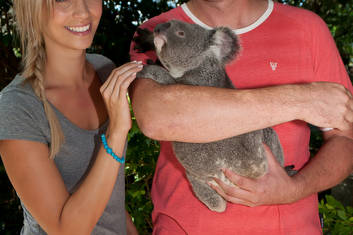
(110, 151)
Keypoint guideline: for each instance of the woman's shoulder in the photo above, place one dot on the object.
(22, 114)
(102, 64)
(18, 93)
(99, 61)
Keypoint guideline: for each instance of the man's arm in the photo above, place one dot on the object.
(332, 164)
(203, 114)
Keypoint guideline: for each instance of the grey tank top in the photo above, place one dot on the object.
(22, 117)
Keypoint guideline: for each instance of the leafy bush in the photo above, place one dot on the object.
(141, 159)
(338, 220)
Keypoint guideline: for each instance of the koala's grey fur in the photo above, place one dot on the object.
(193, 55)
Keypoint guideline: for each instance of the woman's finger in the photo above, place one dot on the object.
(124, 80)
(116, 75)
(107, 82)
(119, 70)
(124, 68)
(125, 85)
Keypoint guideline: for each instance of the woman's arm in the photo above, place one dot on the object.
(203, 114)
(39, 183)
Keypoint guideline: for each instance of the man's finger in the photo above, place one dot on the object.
(240, 181)
(271, 159)
(237, 200)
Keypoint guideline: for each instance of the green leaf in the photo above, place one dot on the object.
(342, 214)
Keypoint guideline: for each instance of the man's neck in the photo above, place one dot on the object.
(235, 14)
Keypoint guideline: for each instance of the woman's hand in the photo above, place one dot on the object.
(114, 92)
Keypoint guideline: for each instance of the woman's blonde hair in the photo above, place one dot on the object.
(29, 19)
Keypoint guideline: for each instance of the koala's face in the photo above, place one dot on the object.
(178, 43)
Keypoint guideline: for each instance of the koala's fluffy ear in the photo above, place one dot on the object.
(224, 44)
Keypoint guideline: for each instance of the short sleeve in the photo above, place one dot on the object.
(102, 65)
(21, 117)
(328, 65)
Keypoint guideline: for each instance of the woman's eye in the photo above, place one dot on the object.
(63, 3)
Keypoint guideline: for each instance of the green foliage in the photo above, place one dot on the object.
(10, 211)
(338, 220)
(316, 140)
(8, 59)
(141, 159)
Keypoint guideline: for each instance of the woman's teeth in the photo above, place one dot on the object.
(78, 29)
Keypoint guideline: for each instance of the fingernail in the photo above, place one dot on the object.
(139, 62)
(140, 66)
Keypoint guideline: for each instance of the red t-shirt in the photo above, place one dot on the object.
(286, 45)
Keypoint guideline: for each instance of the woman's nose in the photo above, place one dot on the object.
(81, 8)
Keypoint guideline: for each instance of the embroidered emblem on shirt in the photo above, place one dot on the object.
(273, 65)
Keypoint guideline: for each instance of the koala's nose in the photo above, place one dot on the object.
(161, 27)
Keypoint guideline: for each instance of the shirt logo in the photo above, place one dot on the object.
(273, 65)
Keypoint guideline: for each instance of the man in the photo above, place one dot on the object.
(280, 45)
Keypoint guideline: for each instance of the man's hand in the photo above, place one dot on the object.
(328, 105)
(275, 187)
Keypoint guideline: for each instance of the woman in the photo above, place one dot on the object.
(52, 118)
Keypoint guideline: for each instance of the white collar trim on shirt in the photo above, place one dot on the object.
(237, 31)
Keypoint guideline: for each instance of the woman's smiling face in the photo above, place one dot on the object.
(72, 23)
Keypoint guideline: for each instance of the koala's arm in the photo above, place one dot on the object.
(203, 114)
(156, 73)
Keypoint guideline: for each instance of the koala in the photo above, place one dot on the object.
(193, 55)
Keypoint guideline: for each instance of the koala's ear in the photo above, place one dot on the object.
(224, 44)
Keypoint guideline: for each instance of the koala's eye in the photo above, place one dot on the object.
(181, 33)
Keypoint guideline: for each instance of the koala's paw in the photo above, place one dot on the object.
(156, 73)
(145, 73)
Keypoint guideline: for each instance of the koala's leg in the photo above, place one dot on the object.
(207, 195)
(156, 73)
(272, 141)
